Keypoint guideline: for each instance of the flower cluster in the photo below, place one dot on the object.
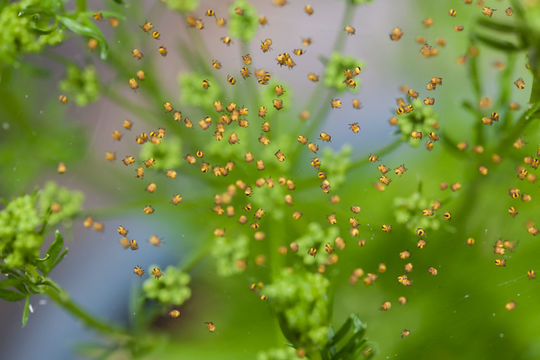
(61, 202)
(22, 220)
(334, 77)
(336, 164)
(408, 211)
(300, 300)
(316, 237)
(81, 84)
(170, 289)
(423, 119)
(230, 254)
(166, 153)
(192, 92)
(22, 32)
(19, 241)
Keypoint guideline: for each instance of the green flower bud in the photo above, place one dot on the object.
(301, 303)
(81, 84)
(408, 211)
(182, 5)
(167, 154)
(170, 289)
(334, 76)
(63, 202)
(193, 93)
(336, 165)
(229, 252)
(244, 25)
(423, 119)
(316, 237)
(19, 244)
(18, 35)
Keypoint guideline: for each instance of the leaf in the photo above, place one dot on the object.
(25, 311)
(496, 25)
(35, 10)
(59, 259)
(87, 29)
(354, 329)
(10, 295)
(497, 44)
(56, 245)
(47, 256)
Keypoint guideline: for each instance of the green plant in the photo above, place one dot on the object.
(278, 214)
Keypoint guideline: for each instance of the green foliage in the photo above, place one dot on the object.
(170, 289)
(300, 300)
(193, 93)
(81, 84)
(422, 119)
(348, 341)
(66, 203)
(23, 221)
(334, 77)
(19, 241)
(316, 237)
(167, 154)
(408, 211)
(28, 27)
(336, 165)
(243, 26)
(228, 252)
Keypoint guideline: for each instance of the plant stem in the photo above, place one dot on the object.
(315, 99)
(80, 5)
(62, 299)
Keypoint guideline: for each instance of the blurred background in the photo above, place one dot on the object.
(460, 313)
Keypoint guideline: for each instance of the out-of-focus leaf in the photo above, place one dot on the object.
(10, 295)
(86, 28)
(25, 311)
(497, 44)
(496, 25)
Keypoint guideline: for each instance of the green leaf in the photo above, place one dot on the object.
(86, 28)
(10, 295)
(497, 44)
(59, 259)
(25, 311)
(56, 245)
(354, 329)
(496, 25)
(35, 10)
(54, 254)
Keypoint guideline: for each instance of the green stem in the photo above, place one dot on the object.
(62, 299)
(324, 104)
(80, 5)
(474, 75)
